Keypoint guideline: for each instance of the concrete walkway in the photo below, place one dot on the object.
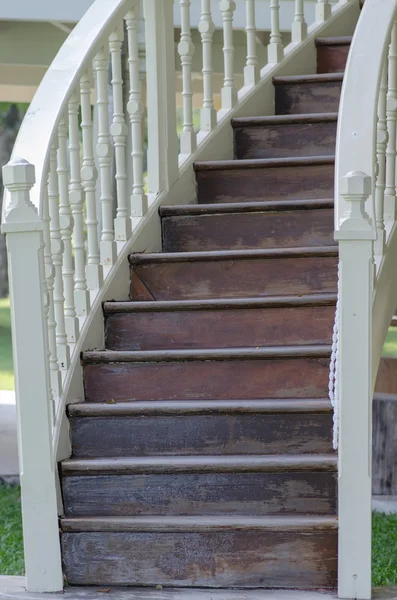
(12, 588)
(8, 436)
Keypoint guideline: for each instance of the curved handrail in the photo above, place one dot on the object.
(38, 127)
(356, 132)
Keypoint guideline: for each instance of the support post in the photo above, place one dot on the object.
(24, 235)
(356, 235)
(161, 100)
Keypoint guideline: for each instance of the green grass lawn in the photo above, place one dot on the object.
(11, 544)
(384, 549)
(6, 368)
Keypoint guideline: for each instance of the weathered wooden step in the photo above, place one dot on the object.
(246, 552)
(220, 427)
(332, 53)
(283, 136)
(265, 179)
(233, 274)
(200, 485)
(249, 373)
(244, 322)
(290, 225)
(305, 94)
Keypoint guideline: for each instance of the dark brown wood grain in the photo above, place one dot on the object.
(297, 136)
(209, 559)
(222, 328)
(248, 230)
(211, 434)
(242, 184)
(200, 494)
(384, 445)
(233, 278)
(332, 54)
(233, 379)
(309, 94)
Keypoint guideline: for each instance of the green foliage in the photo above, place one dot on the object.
(11, 541)
(384, 549)
(6, 366)
(390, 346)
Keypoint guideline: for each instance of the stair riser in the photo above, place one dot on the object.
(230, 559)
(200, 494)
(200, 380)
(306, 98)
(254, 230)
(242, 278)
(285, 141)
(269, 183)
(231, 328)
(332, 59)
(95, 437)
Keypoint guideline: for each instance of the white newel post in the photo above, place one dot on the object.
(161, 101)
(24, 233)
(356, 237)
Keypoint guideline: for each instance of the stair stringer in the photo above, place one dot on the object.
(218, 145)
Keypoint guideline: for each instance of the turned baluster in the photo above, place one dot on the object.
(206, 28)
(251, 69)
(299, 25)
(275, 49)
(188, 142)
(229, 91)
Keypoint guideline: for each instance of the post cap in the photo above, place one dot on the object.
(18, 171)
(356, 183)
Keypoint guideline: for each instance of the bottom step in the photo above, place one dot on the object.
(267, 552)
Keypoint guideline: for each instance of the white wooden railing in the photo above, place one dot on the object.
(77, 199)
(365, 226)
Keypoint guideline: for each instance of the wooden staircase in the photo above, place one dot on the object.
(202, 455)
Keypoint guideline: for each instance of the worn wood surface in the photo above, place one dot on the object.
(211, 434)
(290, 135)
(386, 380)
(314, 179)
(208, 559)
(332, 54)
(248, 230)
(384, 444)
(238, 379)
(222, 328)
(308, 94)
(234, 278)
(201, 494)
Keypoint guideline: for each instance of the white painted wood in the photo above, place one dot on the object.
(299, 25)
(107, 247)
(66, 225)
(391, 120)
(206, 28)
(275, 49)
(119, 132)
(381, 142)
(30, 351)
(160, 60)
(229, 90)
(187, 138)
(49, 270)
(251, 69)
(63, 351)
(76, 201)
(323, 10)
(355, 236)
(89, 176)
(136, 111)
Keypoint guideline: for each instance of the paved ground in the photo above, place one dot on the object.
(12, 588)
(8, 435)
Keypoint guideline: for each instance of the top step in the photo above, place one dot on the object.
(332, 53)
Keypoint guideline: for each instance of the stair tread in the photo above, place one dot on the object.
(312, 78)
(284, 119)
(165, 257)
(113, 307)
(245, 207)
(262, 163)
(182, 407)
(199, 523)
(200, 463)
(342, 40)
(266, 352)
